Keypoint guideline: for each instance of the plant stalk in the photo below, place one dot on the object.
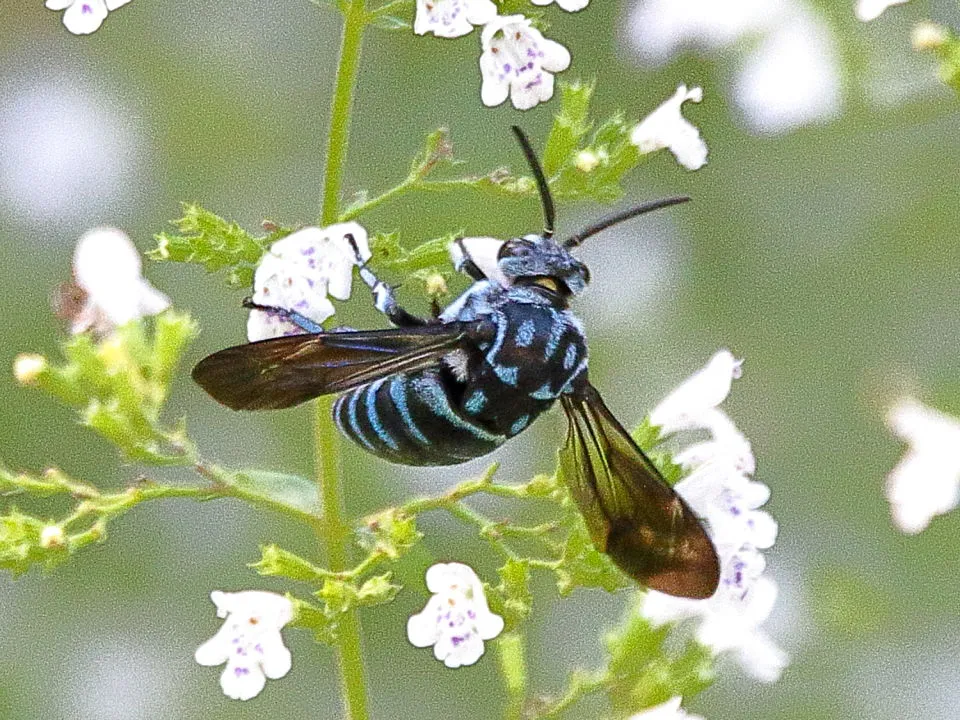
(336, 531)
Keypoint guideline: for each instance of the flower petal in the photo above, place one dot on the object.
(665, 127)
(242, 682)
(85, 16)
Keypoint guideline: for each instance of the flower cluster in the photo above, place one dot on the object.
(83, 17)
(456, 619)
(926, 482)
(516, 61)
(249, 641)
(299, 272)
(719, 488)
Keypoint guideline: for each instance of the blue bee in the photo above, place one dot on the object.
(444, 390)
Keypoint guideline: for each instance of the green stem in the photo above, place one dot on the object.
(335, 535)
(513, 665)
(336, 532)
(355, 20)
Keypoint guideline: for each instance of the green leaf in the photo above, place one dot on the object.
(582, 565)
(645, 670)
(278, 488)
(514, 600)
(389, 22)
(377, 590)
(274, 560)
(307, 615)
(23, 543)
(570, 125)
(389, 255)
(207, 239)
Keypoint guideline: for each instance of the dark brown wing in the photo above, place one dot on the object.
(286, 371)
(630, 511)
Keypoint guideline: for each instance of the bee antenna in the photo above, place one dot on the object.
(545, 198)
(575, 240)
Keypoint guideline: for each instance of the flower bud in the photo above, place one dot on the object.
(28, 367)
(52, 537)
(929, 36)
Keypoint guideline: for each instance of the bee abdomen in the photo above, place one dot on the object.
(410, 419)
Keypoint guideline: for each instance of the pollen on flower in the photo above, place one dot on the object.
(456, 620)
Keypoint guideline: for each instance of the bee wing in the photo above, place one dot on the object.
(286, 371)
(630, 511)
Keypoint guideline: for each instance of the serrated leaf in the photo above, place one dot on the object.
(582, 565)
(292, 491)
(570, 125)
(207, 239)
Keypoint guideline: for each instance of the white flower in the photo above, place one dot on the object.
(456, 619)
(107, 267)
(452, 18)
(693, 403)
(790, 71)
(568, 5)
(790, 78)
(670, 710)
(665, 127)
(83, 17)
(249, 641)
(299, 272)
(926, 482)
(518, 61)
(659, 28)
(868, 10)
(719, 489)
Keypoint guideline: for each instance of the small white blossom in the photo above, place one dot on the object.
(789, 72)
(868, 10)
(452, 18)
(52, 536)
(926, 482)
(693, 403)
(665, 127)
(568, 5)
(928, 36)
(300, 271)
(791, 77)
(456, 619)
(27, 367)
(670, 710)
(249, 641)
(719, 489)
(83, 17)
(107, 268)
(518, 61)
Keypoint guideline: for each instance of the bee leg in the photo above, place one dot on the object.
(383, 295)
(301, 321)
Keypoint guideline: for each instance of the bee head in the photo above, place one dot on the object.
(536, 259)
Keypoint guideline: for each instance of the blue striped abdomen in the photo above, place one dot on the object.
(412, 420)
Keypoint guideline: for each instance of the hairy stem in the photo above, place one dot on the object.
(336, 531)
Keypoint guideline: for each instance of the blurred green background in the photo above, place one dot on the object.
(826, 257)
